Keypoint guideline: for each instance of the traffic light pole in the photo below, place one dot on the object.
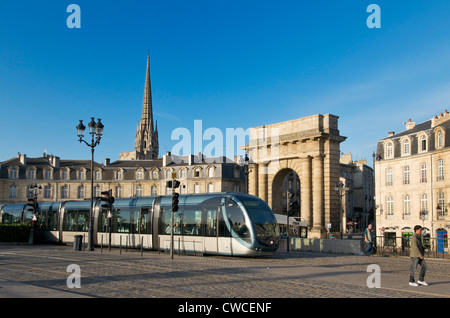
(171, 227)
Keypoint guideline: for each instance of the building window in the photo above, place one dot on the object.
(183, 174)
(154, 190)
(406, 207)
(139, 191)
(64, 174)
(210, 188)
(119, 175)
(118, 192)
(140, 174)
(97, 191)
(424, 206)
(196, 188)
(31, 174)
(389, 206)
(406, 147)
(423, 172)
(440, 139)
(13, 192)
(389, 178)
(168, 174)
(81, 175)
(183, 189)
(81, 192)
(47, 191)
(97, 175)
(196, 174)
(440, 164)
(211, 172)
(406, 175)
(389, 150)
(155, 174)
(423, 143)
(47, 174)
(64, 192)
(13, 173)
(441, 211)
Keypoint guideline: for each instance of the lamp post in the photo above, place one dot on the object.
(96, 131)
(246, 169)
(340, 189)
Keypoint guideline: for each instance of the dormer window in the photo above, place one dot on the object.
(13, 173)
(440, 139)
(423, 143)
(406, 147)
(389, 150)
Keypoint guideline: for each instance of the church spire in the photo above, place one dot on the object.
(147, 107)
(146, 144)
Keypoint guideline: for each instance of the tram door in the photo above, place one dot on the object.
(210, 236)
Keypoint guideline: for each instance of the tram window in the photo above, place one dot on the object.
(165, 222)
(122, 218)
(236, 219)
(145, 227)
(192, 221)
(134, 221)
(52, 220)
(103, 221)
(76, 220)
(223, 229)
(211, 222)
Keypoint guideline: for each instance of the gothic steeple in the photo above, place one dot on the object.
(146, 145)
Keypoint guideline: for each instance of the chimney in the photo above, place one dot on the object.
(391, 133)
(167, 159)
(410, 124)
(23, 159)
(107, 162)
(54, 161)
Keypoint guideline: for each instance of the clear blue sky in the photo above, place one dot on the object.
(229, 63)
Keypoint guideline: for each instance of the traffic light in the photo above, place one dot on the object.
(108, 198)
(290, 203)
(175, 202)
(173, 184)
(33, 205)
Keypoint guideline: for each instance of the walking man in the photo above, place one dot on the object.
(417, 257)
(369, 239)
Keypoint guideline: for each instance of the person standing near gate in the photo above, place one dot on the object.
(417, 257)
(369, 239)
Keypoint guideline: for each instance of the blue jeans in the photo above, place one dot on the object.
(423, 268)
(368, 249)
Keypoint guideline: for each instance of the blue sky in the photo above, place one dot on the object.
(228, 63)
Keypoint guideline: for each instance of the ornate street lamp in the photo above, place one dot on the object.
(96, 132)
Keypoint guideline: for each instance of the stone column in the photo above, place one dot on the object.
(305, 191)
(318, 230)
(262, 181)
(253, 180)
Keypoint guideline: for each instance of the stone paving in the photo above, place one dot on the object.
(41, 271)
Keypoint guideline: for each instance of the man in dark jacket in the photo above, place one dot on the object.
(417, 257)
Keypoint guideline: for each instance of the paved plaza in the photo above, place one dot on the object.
(44, 271)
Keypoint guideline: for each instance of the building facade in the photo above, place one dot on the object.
(62, 180)
(358, 197)
(413, 180)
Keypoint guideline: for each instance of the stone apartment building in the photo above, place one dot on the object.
(358, 199)
(412, 178)
(71, 179)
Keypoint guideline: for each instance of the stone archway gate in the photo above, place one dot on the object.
(311, 147)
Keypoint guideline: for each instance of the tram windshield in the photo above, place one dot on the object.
(261, 216)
